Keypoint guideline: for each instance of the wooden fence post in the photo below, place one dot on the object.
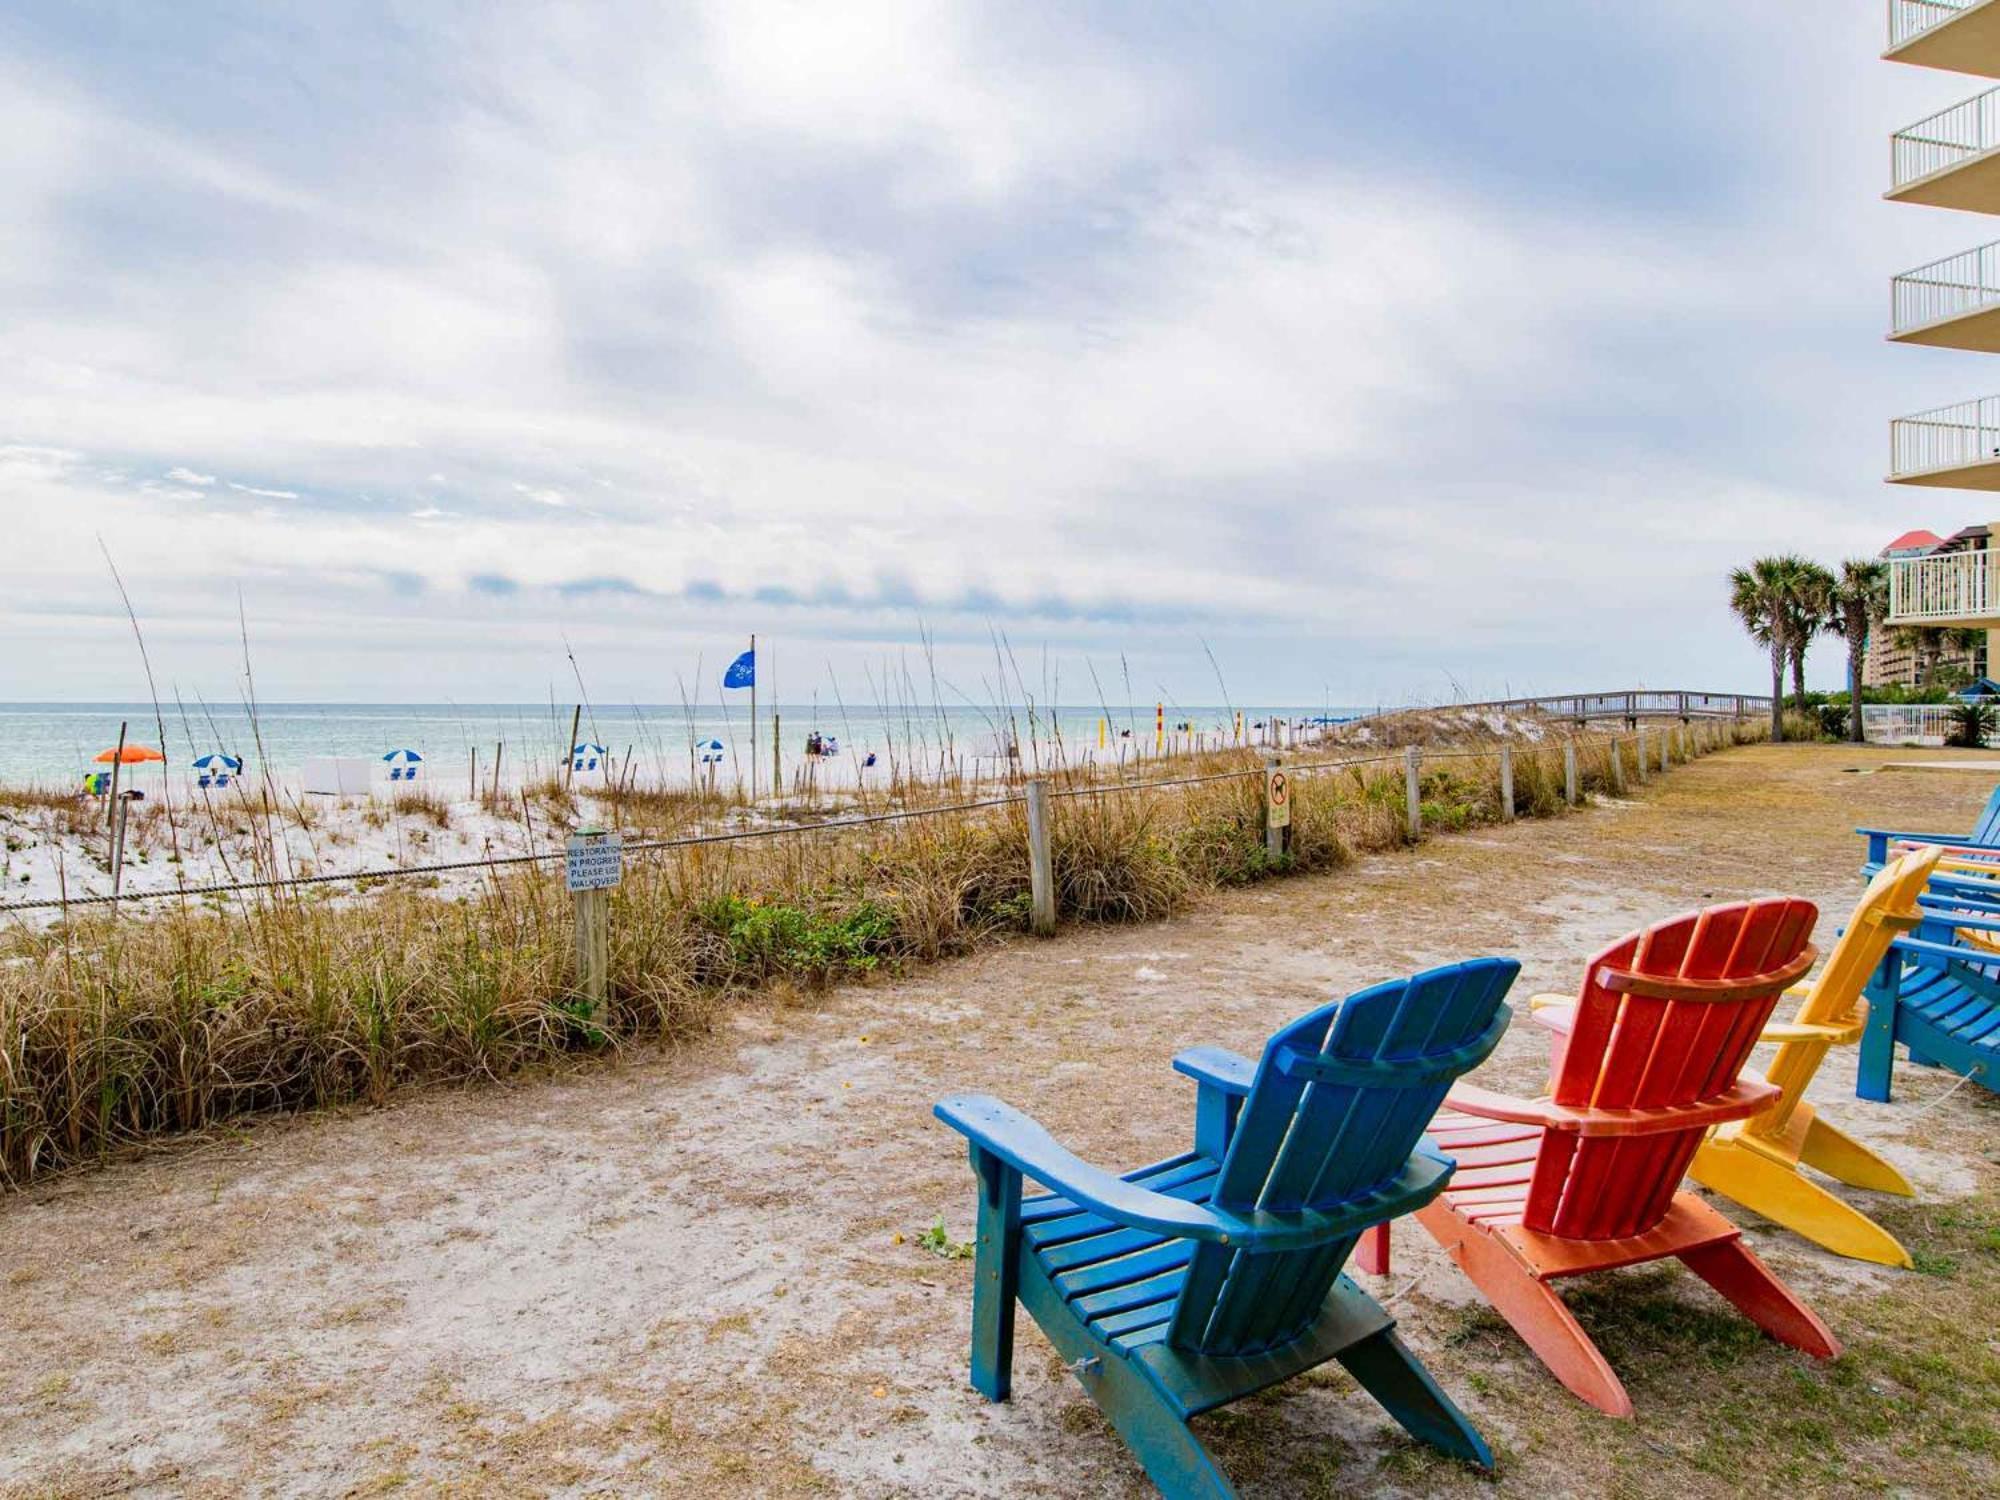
(1506, 783)
(1569, 773)
(594, 865)
(1666, 747)
(1277, 808)
(1617, 769)
(1413, 793)
(1041, 862)
(1639, 758)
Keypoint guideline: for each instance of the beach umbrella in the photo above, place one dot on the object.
(215, 760)
(711, 751)
(403, 758)
(131, 755)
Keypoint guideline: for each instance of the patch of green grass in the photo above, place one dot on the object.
(942, 1245)
(768, 938)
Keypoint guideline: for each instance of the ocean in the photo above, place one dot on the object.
(52, 744)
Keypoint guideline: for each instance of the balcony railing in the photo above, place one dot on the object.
(1947, 588)
(1946, 288)
(1908, 18)
(1945, 139)
(1951, 437)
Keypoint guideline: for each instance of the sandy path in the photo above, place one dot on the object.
(681, 1272)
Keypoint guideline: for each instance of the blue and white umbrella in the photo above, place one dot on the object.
(215, 760)
(711, 752)
(584, 757)
(403, 758)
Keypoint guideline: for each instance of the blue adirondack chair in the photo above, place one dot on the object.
(1938, 993)
(1984, 837)
(1190, 1283)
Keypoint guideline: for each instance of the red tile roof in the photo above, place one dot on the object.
(1912, 539)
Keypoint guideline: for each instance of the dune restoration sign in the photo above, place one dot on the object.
(596, 861)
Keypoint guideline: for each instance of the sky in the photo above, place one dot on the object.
(1370, 353)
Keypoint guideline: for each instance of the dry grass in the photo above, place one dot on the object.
(112, 1032)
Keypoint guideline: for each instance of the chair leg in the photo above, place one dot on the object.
(1877, 1066)
(995, 1275)
(1371, 1251)
(1396, 1378)
(1167, 1450)
(1836, 1153)
(1733, 1270)
(1532, 1308)
(1782, 1194)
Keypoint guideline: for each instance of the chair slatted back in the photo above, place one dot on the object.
(1987, 829)
(1888, 908)
(1644, 1039)
(1340, 1099)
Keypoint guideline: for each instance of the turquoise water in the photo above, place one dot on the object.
(52, 744)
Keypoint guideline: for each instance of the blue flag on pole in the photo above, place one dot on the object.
(742, 672)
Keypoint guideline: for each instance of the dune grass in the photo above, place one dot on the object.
(117, 1030)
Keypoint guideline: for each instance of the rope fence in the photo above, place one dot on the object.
(1411, 757)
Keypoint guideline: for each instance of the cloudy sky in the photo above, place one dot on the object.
(1387, 350)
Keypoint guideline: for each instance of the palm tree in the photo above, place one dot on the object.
(1861, 600)
(1762, 596)
(1811, 609)
(1926, 643)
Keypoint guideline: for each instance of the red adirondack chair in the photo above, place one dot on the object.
(1586, 1179)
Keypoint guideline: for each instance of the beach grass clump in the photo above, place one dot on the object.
(116, 1030)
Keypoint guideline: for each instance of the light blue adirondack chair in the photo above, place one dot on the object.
(1191, 1283)
(1938, 993)
(1984, 837)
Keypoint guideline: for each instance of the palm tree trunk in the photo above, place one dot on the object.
(1799, 673)
(1778, 654)
(1857, 649)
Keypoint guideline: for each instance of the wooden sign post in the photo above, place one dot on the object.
(1041, 862)
(595, 865)
(1277, 808)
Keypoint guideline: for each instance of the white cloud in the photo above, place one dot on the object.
(921, 301)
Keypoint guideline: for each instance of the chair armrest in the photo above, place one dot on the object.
(1807, 1031)
(1024, 1145)
(1217, 1067)
(1745, 1098)
(1555, 1013)
(1908, 836)
(1925, 948)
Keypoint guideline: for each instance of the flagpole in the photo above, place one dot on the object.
(753, 716)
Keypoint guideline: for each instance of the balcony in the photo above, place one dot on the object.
(1952, 303)
(1954, 447)
(1951, 159)
(1962, 36)
(1945, 589)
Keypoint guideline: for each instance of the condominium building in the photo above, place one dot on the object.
(1949, 160)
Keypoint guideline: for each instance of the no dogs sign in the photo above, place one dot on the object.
(1278, 797)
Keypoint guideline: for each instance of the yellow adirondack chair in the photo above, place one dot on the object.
(1756, 1161)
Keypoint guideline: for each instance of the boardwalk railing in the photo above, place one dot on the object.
(1911, 18)
(1630, 706)
(1945, 139)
